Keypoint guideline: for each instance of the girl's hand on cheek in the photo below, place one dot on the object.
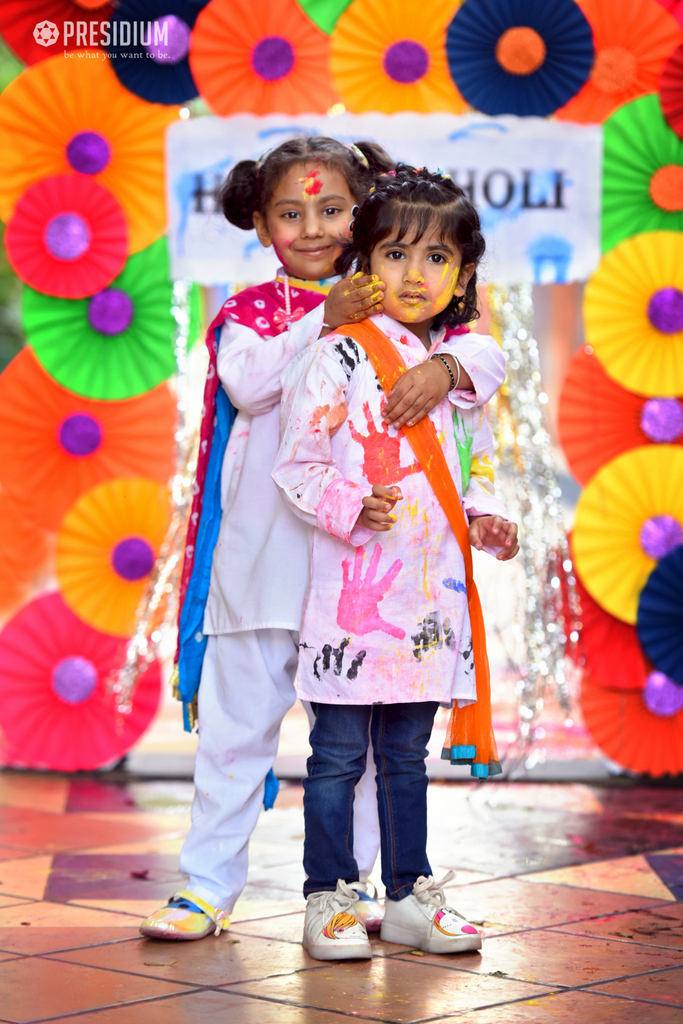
(494, 532)
(416, 392)
(353, 299)
(377, 512)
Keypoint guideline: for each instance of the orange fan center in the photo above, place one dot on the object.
(614, 69)
(666, 188)
(520, 50)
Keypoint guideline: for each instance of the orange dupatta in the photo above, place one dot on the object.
(469, 737)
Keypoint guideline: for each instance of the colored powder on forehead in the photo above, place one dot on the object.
(312, 183)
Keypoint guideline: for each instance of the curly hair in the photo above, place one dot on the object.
(249, 186)
(415, 200)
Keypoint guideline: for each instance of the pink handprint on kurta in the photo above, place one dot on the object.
(358, 611)
(382, 461)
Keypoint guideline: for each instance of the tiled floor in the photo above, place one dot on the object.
(576, 888)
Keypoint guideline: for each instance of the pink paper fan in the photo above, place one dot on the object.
(55, 708)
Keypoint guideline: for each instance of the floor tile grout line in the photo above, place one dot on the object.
(625, 942)
(72, 949)
(103, 1009)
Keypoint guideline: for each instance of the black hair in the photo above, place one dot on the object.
(250, 184)
(414, 200)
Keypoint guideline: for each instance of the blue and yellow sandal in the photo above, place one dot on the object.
(185, 917)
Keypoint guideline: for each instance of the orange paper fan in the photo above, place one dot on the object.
(260, 58)
(599, 420)
(24, 552)
(106, 549)
(627, 732)
(55, 445)
(397, 64)
(68, 116)
(671, 91)
(633, 40)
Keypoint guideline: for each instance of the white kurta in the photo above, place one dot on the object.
(261, 563)
(386, 616)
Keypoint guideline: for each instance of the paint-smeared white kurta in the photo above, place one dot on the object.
(385, 618)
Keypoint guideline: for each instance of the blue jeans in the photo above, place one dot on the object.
(339, 741)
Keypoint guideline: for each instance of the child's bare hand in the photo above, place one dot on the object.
(416, 392)
(495, 532)
(377, 512)
(353, 299)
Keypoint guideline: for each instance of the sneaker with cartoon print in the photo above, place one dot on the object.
(424, 920)
(331, 929)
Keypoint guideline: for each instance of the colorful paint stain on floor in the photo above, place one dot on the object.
(579, 891)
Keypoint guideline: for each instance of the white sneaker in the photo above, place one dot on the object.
(368, 909)
(331, 929)
(425, 921)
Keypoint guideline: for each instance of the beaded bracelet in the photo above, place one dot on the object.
(454, 382)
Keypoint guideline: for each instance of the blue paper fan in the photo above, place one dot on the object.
(150, 57)
(521, 57)
(660, 616)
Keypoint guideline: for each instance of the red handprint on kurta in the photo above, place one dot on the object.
(382, 461)
(357, 611)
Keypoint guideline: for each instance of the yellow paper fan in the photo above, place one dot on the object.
(632, 505)
(63, 116)
(106, 547)
(633, 309)
(383, 59)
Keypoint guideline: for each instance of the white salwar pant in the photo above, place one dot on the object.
(247, 687)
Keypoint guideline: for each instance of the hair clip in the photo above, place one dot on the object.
(354, 214)
(262, 159)
(442, 173)
(388, 174)
(359, 155)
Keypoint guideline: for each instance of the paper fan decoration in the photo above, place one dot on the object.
(400, 64)
(610, 647)
(325, 13)
(32, 28)
(642, 173)
(599, 420)
(630, 732)
(633, 313)
(632, 41)
(260, 58)
(154, 63)
(67, 237)
(660, 615)
(55, 445)
(106, 548)
(674, 7)
(56, 711)
(62, 116)
(116, 344)
(519, 56)
(24, 553)
(628, 517)
(671, 91)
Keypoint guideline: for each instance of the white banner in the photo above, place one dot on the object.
(536, 184)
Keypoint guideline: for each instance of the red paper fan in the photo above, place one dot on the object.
(614, 657)
(630, 734)
(671, 91)
(55, 445)
(260, 58)
(598, 419)
(55, 708)
(24, 553)
(33, 28)
(67, 237)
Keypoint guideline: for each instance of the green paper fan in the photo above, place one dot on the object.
(324, 13)
(110, 364)
(639, 144)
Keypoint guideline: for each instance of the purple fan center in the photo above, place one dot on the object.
(132, 558)
(67, 236)
(169, 40)
(88, 153)
(662, 419)
(662, 696)
(665, 310)
(80, 434)
(272, 58)
(660, 535)
(74, 680)
(406, 61)
(110, 311)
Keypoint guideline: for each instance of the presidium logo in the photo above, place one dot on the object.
(118, 34)
(46, 33)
